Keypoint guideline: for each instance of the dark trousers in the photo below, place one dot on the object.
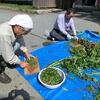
(57, 35)
(3, 65)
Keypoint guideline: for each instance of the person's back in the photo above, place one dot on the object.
(60, 17)
(5, 34)
(3, 27)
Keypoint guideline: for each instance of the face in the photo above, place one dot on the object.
(19, 31)
(68, 16)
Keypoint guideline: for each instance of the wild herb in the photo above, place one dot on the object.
(31, 62)
(97, 96)
(85, 55)
(50, 76)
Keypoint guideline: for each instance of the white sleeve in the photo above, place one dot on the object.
(61, 25)
(73, 26)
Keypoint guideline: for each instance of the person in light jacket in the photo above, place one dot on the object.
(11, 41)
(64, 28)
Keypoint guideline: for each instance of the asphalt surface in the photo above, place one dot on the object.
(35, 40)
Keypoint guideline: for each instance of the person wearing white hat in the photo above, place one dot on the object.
(11, 40)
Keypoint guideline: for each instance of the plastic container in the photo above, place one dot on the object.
(61, 73)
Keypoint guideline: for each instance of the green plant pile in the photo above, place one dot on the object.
(50, 76)
(31, 62)
(97, 97)
(85, 55)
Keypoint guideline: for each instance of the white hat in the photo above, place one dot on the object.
(23, 20)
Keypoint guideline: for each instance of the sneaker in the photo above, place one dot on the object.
(53, 39)
(47, 34)
(49, 38)
(4, 78)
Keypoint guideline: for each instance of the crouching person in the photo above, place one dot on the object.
(11, 40)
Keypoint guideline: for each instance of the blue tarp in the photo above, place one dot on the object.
(73, 87)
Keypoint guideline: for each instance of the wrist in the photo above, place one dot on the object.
(25, 50)
(18, 61)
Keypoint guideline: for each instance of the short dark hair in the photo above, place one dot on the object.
(70, 10)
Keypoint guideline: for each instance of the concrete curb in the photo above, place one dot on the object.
(40, 11)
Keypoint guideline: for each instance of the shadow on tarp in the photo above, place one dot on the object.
(73, 88)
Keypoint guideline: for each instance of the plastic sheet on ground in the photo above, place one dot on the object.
(73, 87)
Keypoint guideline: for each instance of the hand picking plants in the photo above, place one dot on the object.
(33, 66)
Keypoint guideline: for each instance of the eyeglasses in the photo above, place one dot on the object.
(24, 31)
(27, 31)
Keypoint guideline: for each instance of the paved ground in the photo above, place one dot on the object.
(35, 40)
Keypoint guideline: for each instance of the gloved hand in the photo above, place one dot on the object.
(75, 37)
(69, 36)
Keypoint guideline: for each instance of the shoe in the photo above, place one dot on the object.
(4, 78)
(49, 38)
(47, 33)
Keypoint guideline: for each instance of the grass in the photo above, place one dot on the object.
(18, 7)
